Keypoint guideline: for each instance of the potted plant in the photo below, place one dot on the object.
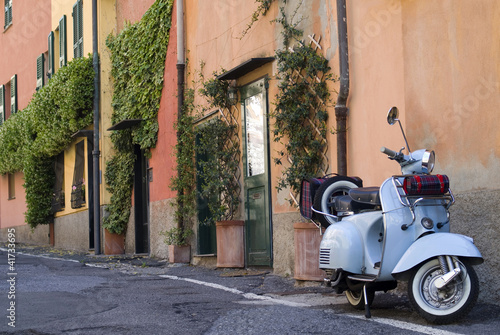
(221, 189)
(178, 248)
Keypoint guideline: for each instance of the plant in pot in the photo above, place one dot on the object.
(177, 240)
(221, 189)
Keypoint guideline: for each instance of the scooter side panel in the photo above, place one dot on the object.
(435, 245)
(341, 248)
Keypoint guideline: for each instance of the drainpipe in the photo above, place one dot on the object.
(96, 152)
(341, 109)
(180, 81)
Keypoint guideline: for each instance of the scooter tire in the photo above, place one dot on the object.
(323, 200)
(446, 305)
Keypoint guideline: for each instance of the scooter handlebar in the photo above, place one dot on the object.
(389, 152)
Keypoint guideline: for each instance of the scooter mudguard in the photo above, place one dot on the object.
(438, 244)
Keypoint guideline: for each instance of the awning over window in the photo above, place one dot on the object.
(244, 68)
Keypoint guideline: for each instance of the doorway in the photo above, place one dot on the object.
(141, 202)
(257, 195)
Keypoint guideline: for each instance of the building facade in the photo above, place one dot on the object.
(436, 61)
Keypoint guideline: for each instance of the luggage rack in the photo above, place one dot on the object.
(413, 200)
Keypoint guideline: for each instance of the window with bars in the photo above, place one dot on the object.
(8, 13)
(78, 29)
(78, 187)
(63, 54)
(58, 198)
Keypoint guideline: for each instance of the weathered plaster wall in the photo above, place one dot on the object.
(72, 231)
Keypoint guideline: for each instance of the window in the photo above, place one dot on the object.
(63, 59)
(13, 94)
(78, 29)
(78, 187)
(8, 13)
(50, 57)
(2, 104)
(40, 71)
(12, 186)
(58, 198)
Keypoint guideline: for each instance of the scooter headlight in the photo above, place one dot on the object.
(427, 223)
(428, 160)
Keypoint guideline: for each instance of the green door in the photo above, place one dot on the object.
(256, 174)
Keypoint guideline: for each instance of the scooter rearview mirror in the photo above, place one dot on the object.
(392, 115)
(392, 118)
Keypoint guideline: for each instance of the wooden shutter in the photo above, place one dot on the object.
(13, 94)
(50, 70)
(63, 59)
(40, 71)
(78, 29)
(2, 104)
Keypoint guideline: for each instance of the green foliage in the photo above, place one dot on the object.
(300, 113)
(31, 138)
(177, 236)
(217, 171)
(138, 64)
(185, 179)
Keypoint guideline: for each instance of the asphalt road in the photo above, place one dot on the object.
(43, 295)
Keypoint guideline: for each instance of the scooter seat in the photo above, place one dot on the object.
(345, 205)
(366, 195)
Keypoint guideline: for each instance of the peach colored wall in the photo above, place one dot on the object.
(452, 80)
(162, 160)
(12, 210)
(22, 43)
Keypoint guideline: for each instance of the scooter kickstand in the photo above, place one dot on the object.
(368, 315)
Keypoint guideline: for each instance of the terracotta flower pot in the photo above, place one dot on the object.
(230, 244)
(307, 240)
(114, 244)
(179, 253)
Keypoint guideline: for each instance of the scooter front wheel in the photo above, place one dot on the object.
(447, 304)
(357, 298)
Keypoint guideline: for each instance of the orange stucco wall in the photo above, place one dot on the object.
(162, 159)
(130, 11)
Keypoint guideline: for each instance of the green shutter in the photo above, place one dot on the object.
(40, 71)
(13, 94)
(8, 13)
(78, 29)
(2, 104)
(63, 59)
(50, 70)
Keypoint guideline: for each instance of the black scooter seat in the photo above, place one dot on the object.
(366, 195)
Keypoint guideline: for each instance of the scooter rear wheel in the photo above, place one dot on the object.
(325, 195)
(445, 305)
(357, 298)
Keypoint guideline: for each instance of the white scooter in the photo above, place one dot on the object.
(377, 236)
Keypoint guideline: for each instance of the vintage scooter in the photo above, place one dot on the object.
(375, 237)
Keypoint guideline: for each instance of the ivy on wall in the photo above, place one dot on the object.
(138, 62)
(31, 138)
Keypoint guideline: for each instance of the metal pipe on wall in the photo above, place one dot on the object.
(180, 79)
(341, 110)
(96, 152)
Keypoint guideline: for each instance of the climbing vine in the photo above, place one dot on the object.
(31, 138)
(300, 108)
(138, 62)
